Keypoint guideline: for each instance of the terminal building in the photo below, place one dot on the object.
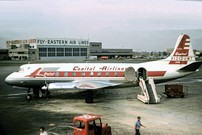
(97, 50)
(47, 48)
(61, 48)
(22, 49)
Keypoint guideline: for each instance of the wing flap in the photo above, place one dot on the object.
(82, 85)
(59, 86)
(95, 84)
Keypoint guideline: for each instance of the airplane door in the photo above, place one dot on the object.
(142, 72)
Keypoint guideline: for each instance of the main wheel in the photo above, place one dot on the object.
(36, 93)
(89, 98)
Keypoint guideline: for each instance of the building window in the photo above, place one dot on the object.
(60, 51)
(21, 52)
(51, 52)
(31, 52)
(83, 51)
(75, 51)
(26, 46)
(13, 47)
(68, 51)
(42, 52)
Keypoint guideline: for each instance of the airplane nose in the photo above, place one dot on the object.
(8, 80)
(14, 80)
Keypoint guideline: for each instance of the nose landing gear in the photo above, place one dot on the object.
(37, 93)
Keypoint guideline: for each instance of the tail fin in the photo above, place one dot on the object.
(183, 53)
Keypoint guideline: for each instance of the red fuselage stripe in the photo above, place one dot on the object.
(178, 62)
(91, 74)
(156, 73)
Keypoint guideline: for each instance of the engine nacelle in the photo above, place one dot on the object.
(130, 74)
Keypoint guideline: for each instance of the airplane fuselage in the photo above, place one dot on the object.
(36, 75)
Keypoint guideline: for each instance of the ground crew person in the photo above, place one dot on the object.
(138, 124)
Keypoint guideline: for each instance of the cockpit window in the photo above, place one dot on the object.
(22, 69)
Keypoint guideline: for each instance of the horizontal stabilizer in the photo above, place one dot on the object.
(191, 67)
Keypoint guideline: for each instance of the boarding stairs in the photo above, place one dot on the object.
(149, 94)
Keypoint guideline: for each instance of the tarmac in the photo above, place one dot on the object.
(118, 107)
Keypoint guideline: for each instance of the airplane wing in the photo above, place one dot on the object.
(82, 85)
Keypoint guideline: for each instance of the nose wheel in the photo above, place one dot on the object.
(28, 97)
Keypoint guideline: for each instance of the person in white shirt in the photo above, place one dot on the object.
(42, 131)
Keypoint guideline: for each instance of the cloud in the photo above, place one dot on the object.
(192, 0)
(96, 18)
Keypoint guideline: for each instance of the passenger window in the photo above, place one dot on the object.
(99, 74)
(65, 74)
(107, 74)
(91, 74)
(57, 74)
(73, 74)
(83, 74)
(116, 74)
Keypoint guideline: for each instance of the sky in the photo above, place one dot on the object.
(141, 25)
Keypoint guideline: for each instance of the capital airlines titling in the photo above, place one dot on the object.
(93, 68)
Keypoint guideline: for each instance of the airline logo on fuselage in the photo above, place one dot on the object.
(49, 73)
(181, 54)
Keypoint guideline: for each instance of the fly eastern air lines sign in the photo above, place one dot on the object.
(62, 42)
(50, 41)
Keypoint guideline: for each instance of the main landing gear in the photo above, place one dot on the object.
(89, 97)
(37, 93)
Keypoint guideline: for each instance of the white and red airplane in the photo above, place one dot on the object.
(92, 76)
